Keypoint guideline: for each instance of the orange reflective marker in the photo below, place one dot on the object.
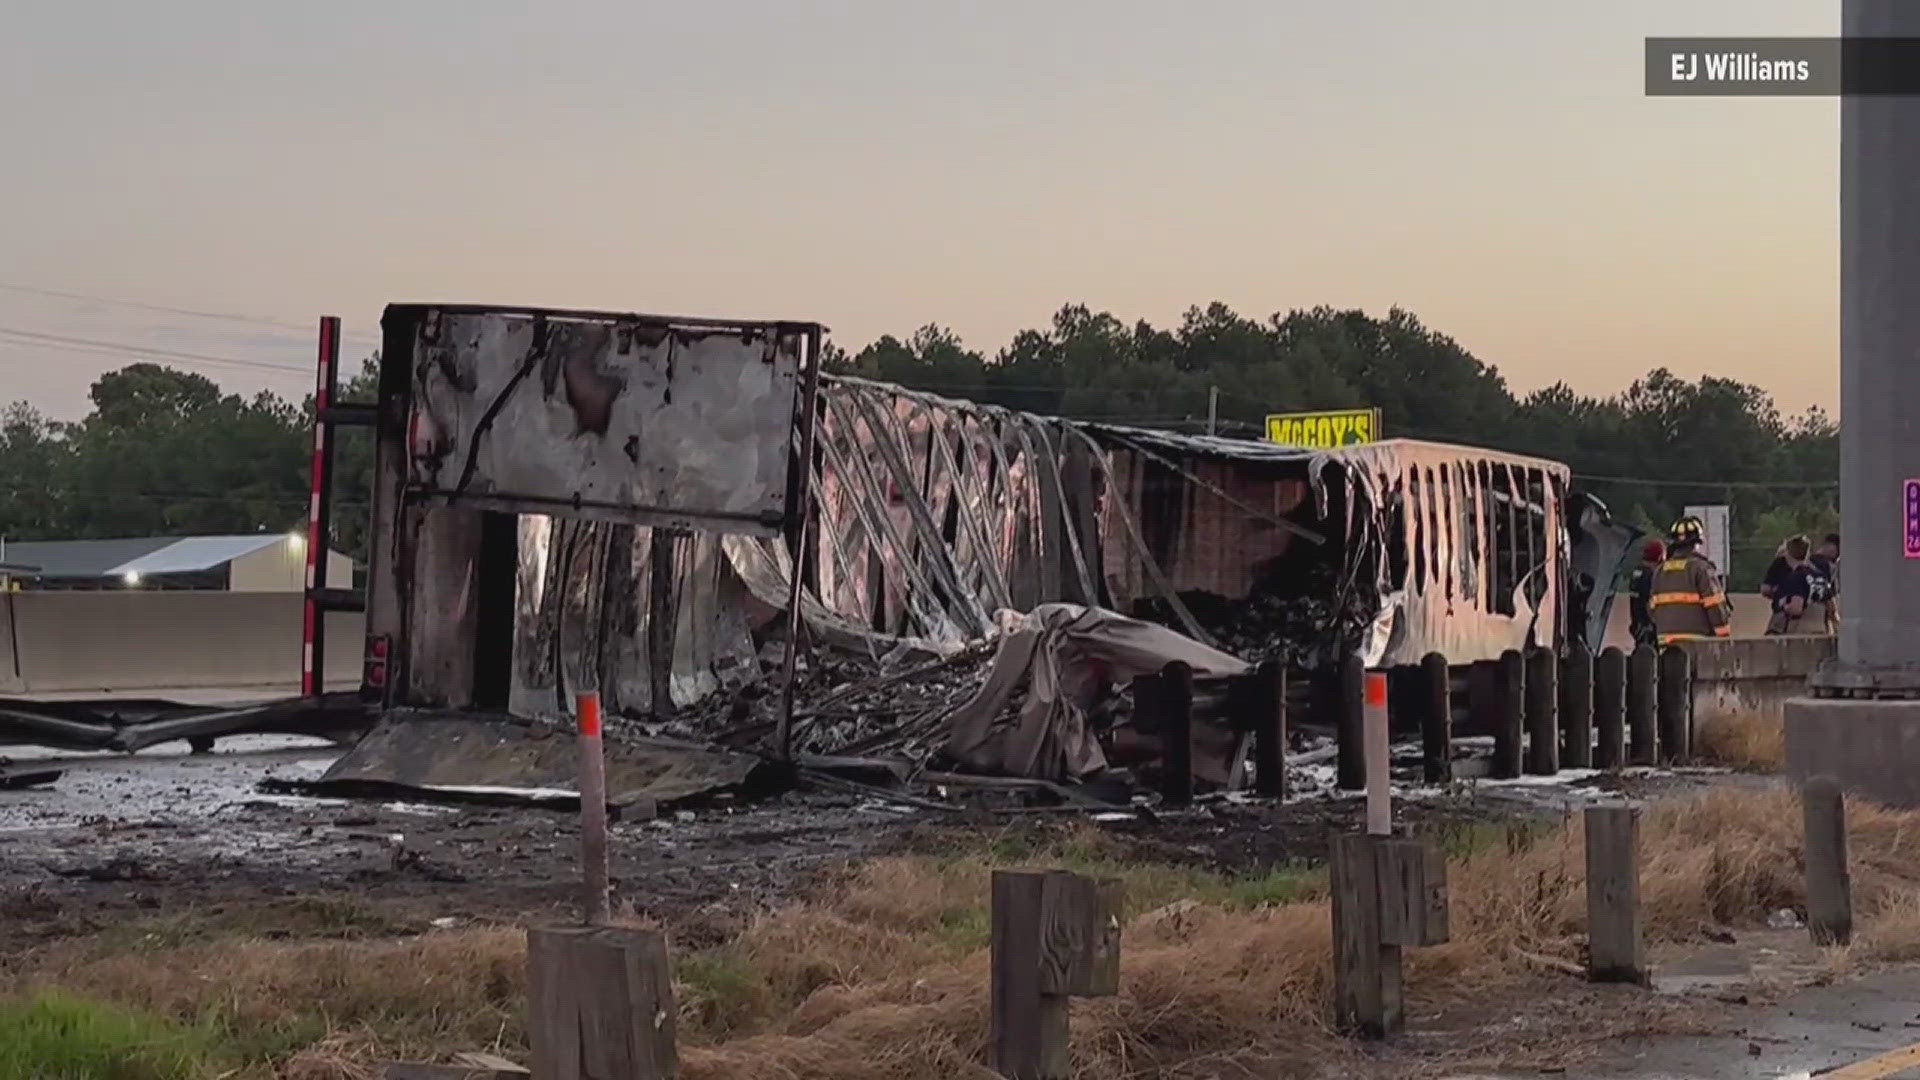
(593, 812)
(1379, 750)
(589, 708)
(1376, 688)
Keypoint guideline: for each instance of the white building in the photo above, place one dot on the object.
(261, 562)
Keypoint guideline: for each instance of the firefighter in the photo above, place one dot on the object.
(1640, 593)
(1688, 600)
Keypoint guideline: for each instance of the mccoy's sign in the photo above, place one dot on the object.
(1325, 430)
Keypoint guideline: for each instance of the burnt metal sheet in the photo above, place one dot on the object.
(584, 616)
(1518, 587)
(625, 418)
(129, 724)
(465, 755)
(1600, 549)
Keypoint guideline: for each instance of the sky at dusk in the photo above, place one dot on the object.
(879, 164)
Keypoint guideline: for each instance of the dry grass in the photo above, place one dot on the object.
(1749, 740)
(885, 977)
(267, 998)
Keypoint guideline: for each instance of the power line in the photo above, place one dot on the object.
(1744, 484)
(256, 320)
(121, 348)
(290, 498)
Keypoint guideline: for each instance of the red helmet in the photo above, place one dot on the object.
(1654, 551)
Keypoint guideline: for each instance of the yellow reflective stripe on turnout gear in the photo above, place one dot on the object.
(1714, 600)
(1660, 598)
(1723, 630)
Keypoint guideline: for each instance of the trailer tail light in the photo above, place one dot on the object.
(379, 649)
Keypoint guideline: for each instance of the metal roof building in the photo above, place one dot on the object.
(260, 562)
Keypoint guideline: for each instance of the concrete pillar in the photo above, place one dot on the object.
(1863, 725)
(1879, 359)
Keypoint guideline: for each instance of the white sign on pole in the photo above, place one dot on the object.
(1717, 521)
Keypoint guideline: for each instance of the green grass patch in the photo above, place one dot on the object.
(721, 994)
(55, 1036)
(339, 916)
(1463, 838)
(1279, 885)
(965, 929)
(1150, 884)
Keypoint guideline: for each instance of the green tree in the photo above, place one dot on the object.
(166, 451)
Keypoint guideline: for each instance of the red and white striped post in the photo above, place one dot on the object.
(593, 811)
(1379, 751)
(319, 508)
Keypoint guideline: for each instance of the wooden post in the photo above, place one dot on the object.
(1675, 705)
(1542, 708)
(1056, 935)
(1413, 892)
(1379, 757)
(1367, 997)
(1352, 732)
(1610, 708)
(601, 1004)
(1616, 947)
(1576, 709)
(1387, 894)
(1829, 885)
(1176, 734)
(1483, 697)
(1270, 730)
(1436, 719)
(1641, 677)
(1509, 690)
(593, 812)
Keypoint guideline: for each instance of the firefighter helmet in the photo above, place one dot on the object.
(1687, 530)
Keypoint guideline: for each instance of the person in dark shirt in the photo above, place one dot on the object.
(1805, 592)
(1640, 593)
(1826, 559)
(1779, 570)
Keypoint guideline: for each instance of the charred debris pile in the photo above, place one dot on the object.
(1041, 715)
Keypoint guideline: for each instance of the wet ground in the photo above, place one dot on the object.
(169, 830)
(122, 837)
(166, 829)
(1866, 1028)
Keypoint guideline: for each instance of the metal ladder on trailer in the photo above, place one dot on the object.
(328, 416)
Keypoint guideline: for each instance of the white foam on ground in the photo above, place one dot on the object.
(518, 792)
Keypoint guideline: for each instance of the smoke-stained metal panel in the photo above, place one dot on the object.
(626, 418)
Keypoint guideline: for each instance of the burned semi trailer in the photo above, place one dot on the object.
(537, 470)
(568, 499)
(1390, 550)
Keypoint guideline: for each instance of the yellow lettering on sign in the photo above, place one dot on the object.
(1322, 431)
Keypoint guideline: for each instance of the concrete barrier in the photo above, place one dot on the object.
(1752, 675)
(9, 654)
(1750, 614)
(135, 640)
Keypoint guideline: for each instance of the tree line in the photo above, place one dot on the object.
(164, 451)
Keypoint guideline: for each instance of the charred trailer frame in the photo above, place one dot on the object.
(1392, 550)
(539, 474)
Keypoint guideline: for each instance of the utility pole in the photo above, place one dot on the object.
(1213, 409)
(1862, 724)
